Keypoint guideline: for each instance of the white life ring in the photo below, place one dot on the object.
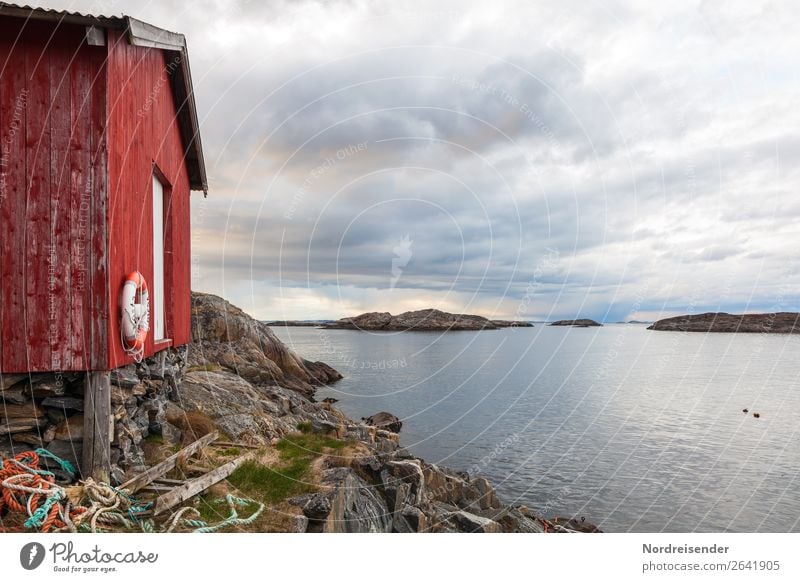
(135, 314)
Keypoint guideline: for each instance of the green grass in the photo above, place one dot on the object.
(290, 476)
(305, 427)
(299, 445)
(271, 485)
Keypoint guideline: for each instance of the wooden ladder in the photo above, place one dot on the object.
(173, 492)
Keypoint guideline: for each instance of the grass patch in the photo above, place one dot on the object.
(230, 452)
(290, 476)
(305, 427)
(299, 445)
(272, 485)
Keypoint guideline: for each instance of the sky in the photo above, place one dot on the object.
(527, 160)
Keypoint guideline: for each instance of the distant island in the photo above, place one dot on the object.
(576, 323)
(422, 320)
(785, 322)
(296, 323)
(635, 321)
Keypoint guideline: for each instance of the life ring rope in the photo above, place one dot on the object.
(135, 320)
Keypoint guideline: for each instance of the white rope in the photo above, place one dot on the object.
(136, 354)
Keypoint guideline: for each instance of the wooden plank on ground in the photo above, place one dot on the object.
(191, 488)
(167, 465)
(173, 482)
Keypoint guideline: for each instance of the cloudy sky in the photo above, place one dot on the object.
(519, 159)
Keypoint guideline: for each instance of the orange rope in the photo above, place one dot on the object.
(27, 463)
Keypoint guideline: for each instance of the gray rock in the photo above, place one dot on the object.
(71, 429)
(125, 377)
(64, 402)
(27, 438)
(19, 425)
(386, 421)
(19, 394)
(317, 507)
(409, 519)
(27, 410)
(467, 522)
(45, 385)
(66, 450)
(481, 495)
(117, 475)
(356, 507)
(9, 380)
(322, 426)
(409, 472)
(224, 335)
(170, 434)
(299, 524)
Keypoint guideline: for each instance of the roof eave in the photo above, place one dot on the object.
(146, 35)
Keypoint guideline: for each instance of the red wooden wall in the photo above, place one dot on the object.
(80, 130)
(53, 279)
(143, 130)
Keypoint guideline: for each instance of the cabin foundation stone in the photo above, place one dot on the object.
(136, 397)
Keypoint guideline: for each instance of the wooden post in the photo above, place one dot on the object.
(97, 426)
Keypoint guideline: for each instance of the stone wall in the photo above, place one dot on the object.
(46, 410)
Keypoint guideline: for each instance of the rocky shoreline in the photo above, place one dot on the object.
(422, 320)
(784, 322)
(238, 378)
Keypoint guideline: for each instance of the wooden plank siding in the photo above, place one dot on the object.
(81, 129)
(144, 130)
(13, 114)
(50, 201)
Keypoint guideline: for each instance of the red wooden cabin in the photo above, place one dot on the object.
(100, 150)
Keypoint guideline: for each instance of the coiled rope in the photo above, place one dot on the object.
(30, 495)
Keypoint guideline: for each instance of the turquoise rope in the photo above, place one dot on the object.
(40, 515)
(64, 464)
(233, 519)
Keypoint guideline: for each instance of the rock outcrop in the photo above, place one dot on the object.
(784, 322)
(423, 320)
(577, 323)
(226, 336)
(393, 491)
(386, 421)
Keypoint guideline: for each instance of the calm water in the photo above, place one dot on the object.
(636, 430)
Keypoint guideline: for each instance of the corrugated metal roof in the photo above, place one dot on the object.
(142, 34)
(35, 13)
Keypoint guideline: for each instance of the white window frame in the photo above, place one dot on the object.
(157, 289)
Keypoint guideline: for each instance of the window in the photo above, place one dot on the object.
(157, 291)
